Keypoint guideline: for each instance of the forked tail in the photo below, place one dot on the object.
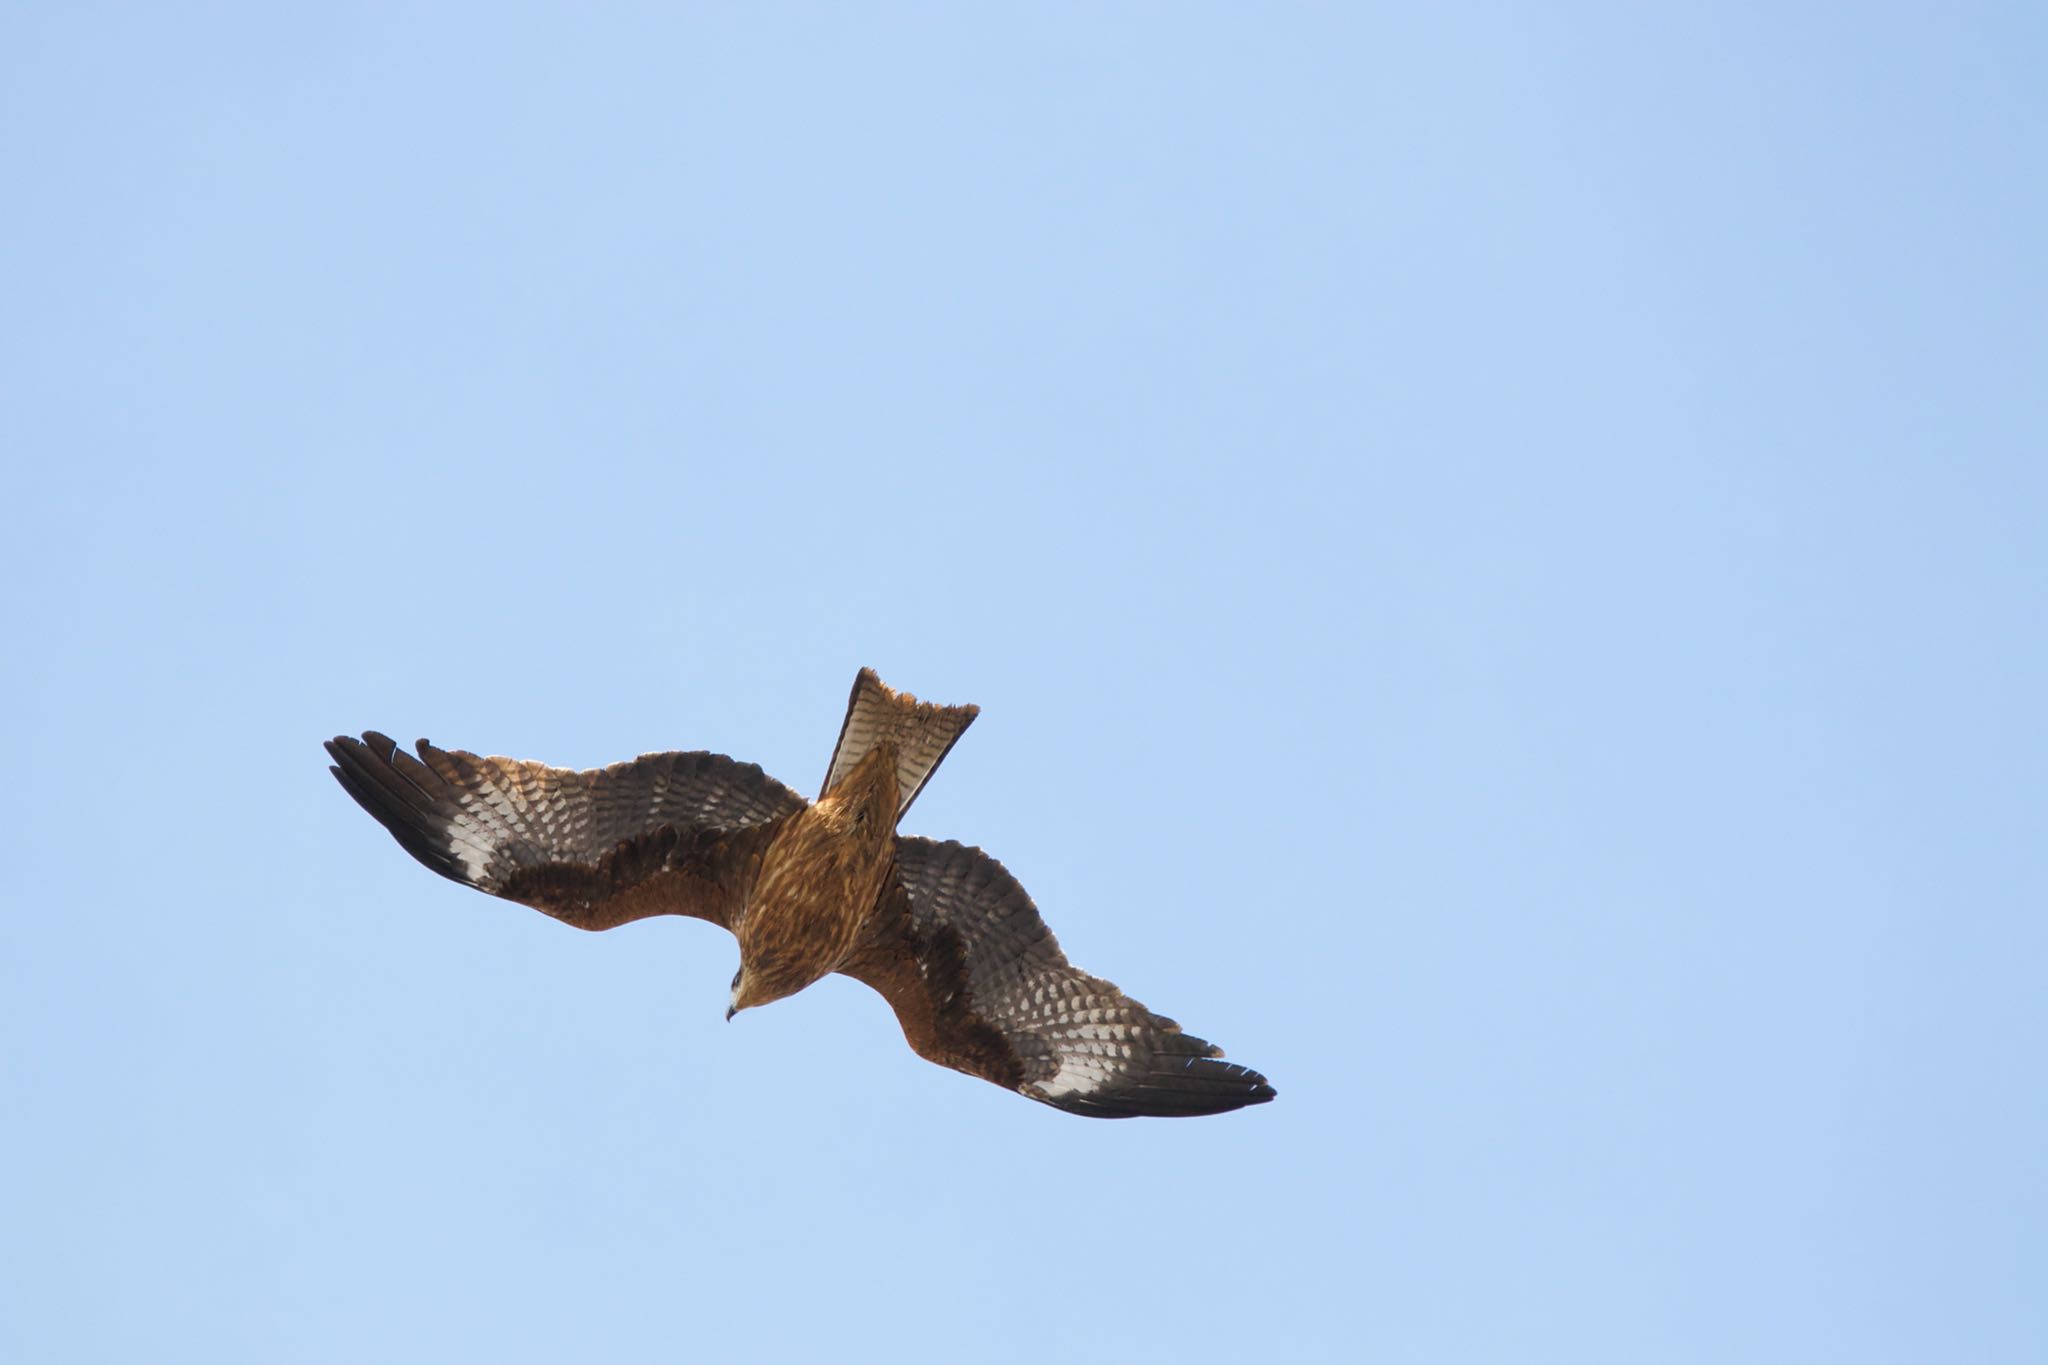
(921, 731)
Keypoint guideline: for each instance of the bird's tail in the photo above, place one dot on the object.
(921, 731)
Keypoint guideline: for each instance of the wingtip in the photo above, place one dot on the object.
(1195, 1088)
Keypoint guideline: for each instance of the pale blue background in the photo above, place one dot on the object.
(1501, 549)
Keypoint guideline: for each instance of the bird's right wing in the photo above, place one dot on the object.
(663, 834)
(980, 984)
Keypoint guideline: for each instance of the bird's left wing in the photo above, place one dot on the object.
(980, 985)
(663, 834)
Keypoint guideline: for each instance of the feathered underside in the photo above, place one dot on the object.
(980, 985)
(663, 834)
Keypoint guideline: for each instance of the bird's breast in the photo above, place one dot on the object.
(816, 889)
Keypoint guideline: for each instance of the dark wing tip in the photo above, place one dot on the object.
(1173, 1086)
(365, 771)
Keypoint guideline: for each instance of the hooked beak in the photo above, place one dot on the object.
(730, 1011)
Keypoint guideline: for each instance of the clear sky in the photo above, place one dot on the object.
(1501, 549)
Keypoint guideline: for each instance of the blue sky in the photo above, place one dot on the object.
(1500, 549)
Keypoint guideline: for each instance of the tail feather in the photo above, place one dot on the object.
(922, 733)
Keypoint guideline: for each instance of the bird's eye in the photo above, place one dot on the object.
(736, 977)
(860, 817)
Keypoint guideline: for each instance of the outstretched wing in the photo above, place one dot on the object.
(980, 984)
(664, 834)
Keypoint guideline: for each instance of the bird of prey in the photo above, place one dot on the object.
(941, 930)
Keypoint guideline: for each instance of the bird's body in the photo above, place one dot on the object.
(820, 885)
(940, 930)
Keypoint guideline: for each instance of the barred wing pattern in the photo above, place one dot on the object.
(670, 833)
(980, 984)
(922, 732)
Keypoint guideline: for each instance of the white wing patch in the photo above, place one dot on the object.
(1077, 1076)
(1089, 1059)
(467, 848)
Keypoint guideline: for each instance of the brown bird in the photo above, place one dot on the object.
(942, 931)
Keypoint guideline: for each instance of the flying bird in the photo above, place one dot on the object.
(941, 930)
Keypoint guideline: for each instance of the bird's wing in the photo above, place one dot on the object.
(664, 834)
(979, 984)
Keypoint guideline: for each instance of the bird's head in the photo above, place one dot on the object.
(762, 982)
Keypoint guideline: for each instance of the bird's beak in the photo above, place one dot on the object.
(730, 1011)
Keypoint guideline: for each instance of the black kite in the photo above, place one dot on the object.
(947, 936)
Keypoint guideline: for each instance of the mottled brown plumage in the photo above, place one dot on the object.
(818, 885)
(940, 930)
